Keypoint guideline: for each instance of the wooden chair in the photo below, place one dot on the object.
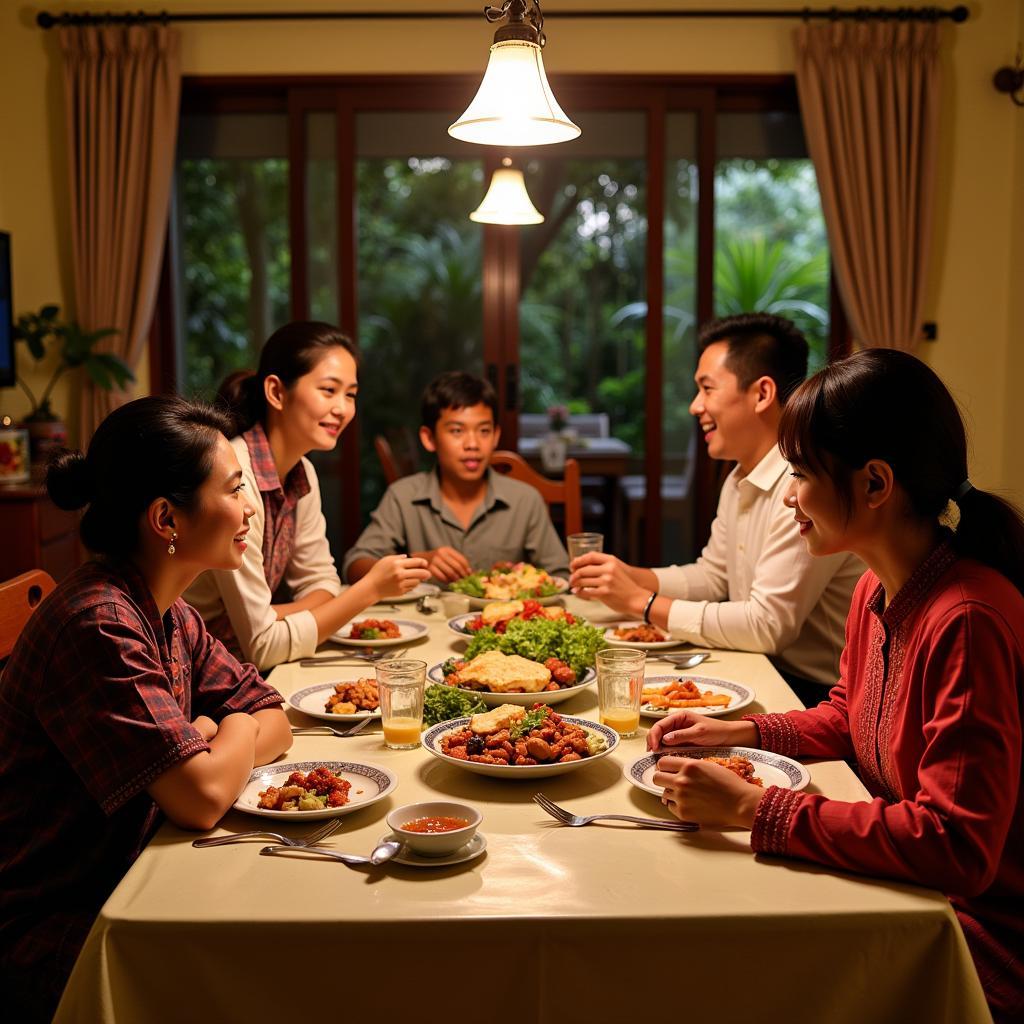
(564, 492)
(397, 454)
(19, 598)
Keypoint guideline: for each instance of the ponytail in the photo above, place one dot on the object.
(289, 353)
(991, 531)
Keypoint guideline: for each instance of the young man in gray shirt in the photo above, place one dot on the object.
(461, 517)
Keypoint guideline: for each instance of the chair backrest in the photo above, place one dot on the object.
(397, 454)
(555, 492)
(387, 458)
(19, 598)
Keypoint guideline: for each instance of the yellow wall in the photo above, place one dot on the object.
(975, 294)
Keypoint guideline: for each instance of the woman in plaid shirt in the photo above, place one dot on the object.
(116, 703)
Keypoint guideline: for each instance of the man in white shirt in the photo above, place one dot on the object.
(754, 587)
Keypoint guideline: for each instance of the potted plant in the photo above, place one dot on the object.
(77, 349)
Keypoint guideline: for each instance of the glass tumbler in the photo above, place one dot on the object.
(400, 683)
(620, 683)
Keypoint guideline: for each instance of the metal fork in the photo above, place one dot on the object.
(328, 828)
(301, 730)
(343, 659)
(575, 820)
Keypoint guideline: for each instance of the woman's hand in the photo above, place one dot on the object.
(706, 793)
(394, 575)
(206, 726)
(689, 729)
(602, 576)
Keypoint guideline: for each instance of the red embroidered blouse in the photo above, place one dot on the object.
(929, 704)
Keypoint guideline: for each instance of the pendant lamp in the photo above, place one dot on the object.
(507, 201)
(514, 105)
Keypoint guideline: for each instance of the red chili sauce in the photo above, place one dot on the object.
(434, 824)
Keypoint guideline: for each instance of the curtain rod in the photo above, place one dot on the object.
(957, 15)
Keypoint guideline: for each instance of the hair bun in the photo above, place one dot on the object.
(69, 481)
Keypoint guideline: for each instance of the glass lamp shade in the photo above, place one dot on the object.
(514, 105)
(507, 201)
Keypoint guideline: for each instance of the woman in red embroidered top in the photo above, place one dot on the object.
(929, 696)
(116, 703)
(300, 400)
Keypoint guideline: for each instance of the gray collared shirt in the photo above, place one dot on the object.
(512, 524)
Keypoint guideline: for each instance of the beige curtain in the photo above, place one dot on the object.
(122, 86)
(869, 96)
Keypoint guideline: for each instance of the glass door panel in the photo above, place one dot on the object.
(420, 274)
(322, 216)
(230, 230)
(771, 250)
(679, 436)
(582, 311)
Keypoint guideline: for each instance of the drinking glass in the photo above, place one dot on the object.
(400, 683)
(581, 543)
(620, 683)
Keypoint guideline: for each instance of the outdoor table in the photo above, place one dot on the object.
(603, 923)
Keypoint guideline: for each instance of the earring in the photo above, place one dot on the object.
(170, 547)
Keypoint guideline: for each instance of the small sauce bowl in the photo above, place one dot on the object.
(434, 844)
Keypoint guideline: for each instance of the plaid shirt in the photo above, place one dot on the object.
(279, 501)
(96, 702)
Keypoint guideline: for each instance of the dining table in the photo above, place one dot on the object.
(608, 922)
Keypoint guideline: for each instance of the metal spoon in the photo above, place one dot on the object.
(384, 852)
(687, 660)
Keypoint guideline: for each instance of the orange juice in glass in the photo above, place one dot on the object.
(620, 682)
(400, 683)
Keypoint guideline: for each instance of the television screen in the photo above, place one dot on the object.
(6, 314)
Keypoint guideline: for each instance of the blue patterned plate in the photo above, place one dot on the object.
(771, 769)
(370, 783)
(432, 737)
(739, 695)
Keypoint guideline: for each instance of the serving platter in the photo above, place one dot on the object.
(771, 769)
(432, 737)
(370, 783)
(481, 602)
(435, 674)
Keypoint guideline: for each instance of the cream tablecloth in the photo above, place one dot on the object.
(551, 925)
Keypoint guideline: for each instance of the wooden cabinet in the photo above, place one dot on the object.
(35, 534)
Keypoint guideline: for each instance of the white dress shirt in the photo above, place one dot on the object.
(755, 587)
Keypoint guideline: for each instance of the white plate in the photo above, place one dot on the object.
(310, 700)
(482, 602)
(405, 856)
(493, 700)
(658, 645)
(740, 695)
(431, 740)
(409, 631)
(374, 781)
(420, 590)
(771, 769)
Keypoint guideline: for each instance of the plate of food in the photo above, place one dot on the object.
(379, 632)
(641, 635)
(508, 581)
(758, 767)
(540, 740)
(498, 678)
(664, 694)
(308, 790)
(497, 615)
(346, 701)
